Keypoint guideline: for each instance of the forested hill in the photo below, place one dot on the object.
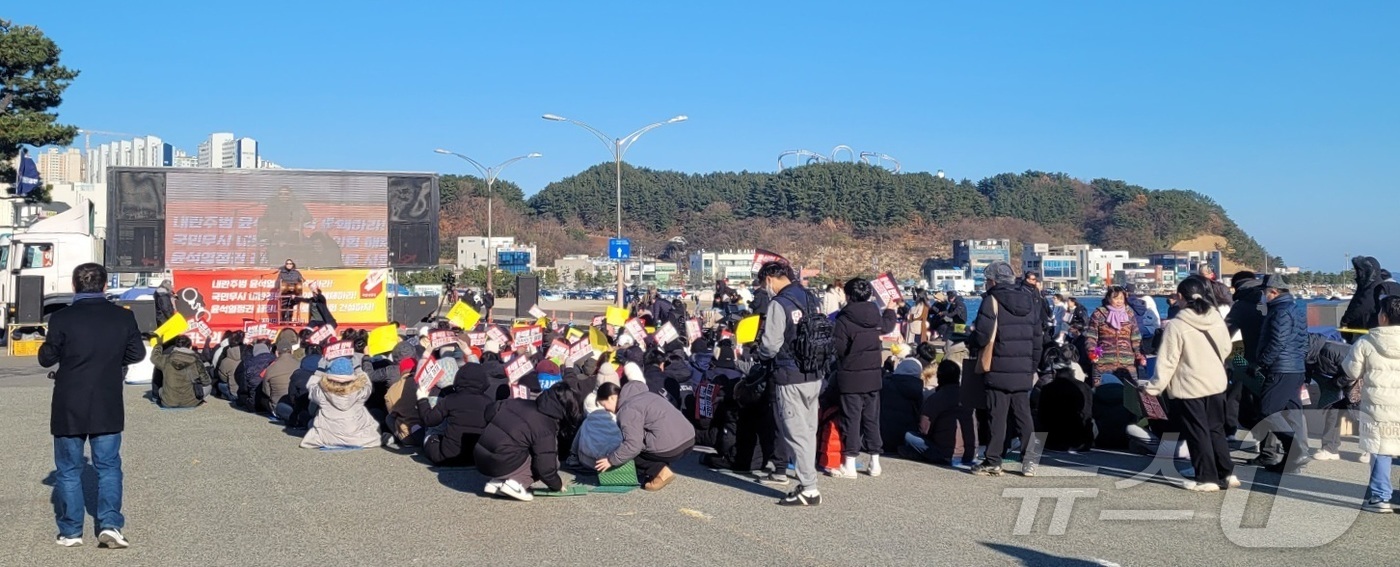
(819, 208)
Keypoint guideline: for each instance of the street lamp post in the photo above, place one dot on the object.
(618, 147)
(489, 174)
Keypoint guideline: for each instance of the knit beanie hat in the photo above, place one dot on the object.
(341, 370)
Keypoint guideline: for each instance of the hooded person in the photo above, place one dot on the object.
(901, 397)
(599, 435)
(298, 412)
(521, 444)
(461, 411)
(858, 347)
(340, 392)
(252, 374)
(654, 435)
(679, 380)
(227, 366)
(184, 375)
(716, 412)
(405, 426)
(1066, 409)
(1364, 309)
(1009, 323)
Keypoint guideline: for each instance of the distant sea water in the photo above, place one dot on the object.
(1092, 303)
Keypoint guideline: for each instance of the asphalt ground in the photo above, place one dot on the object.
(215, 486)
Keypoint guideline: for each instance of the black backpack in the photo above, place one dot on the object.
(813, 347)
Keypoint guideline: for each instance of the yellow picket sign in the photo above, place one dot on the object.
(382, 340)
(617, 316)
(463, 316)
(574, 335)
(173, 327)
(598, 339)
(747, 329)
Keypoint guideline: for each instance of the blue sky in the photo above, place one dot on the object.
(1283, 112)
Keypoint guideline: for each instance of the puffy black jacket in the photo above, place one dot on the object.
(1247, 316)
(901, 398)
(1285, 338)
(463, 407)
(1364, 310)
(1325, 358)
(858, 350)
(1019, 334)
(518, 430)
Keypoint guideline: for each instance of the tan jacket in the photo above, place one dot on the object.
(1188, 367)
(403, 408)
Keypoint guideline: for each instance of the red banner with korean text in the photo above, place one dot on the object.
(226, 299)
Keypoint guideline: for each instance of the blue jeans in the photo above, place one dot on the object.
(68, 482)
(1379, 489)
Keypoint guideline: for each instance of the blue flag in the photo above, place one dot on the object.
(28, 176)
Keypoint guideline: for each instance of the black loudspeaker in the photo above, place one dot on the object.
(29, 299)
(135, 220)
(527, 294)
(413, 221)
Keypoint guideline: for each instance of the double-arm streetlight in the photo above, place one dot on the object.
(489, 174)
(618, 147)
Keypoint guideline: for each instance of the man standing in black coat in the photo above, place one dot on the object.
(90, 341)
(858, 375)
(1008, 322)
(1247, 319)
(1363, 312)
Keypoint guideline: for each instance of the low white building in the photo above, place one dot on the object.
(706, 266)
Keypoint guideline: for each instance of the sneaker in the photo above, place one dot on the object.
(1028, 469)
(841, 472)
(69, 541)
(874, 466)
(514, 490)
(1232, 481)
(1194, 486)
(1364, 458)
(1325, 455)
(774, 478)
(662, 479)
(985, 470)
(389, 441)
(801, 497)
(493, 487)
(1377, 506)
(112, 539)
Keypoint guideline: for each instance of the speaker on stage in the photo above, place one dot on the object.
(29, 299)
(527, 294)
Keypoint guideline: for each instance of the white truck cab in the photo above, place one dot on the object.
(50, 248)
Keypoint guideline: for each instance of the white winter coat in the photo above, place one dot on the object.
(1188, 366)
(1375, 358)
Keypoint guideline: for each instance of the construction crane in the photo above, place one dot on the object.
(87, 137)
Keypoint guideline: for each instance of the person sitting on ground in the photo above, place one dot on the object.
(405, 426)
(599, 435)
(185, 378)
(340, 392)
(1066, 409)
(947, 430)
(461, 410)
(1375, 361)
(252, 374)
(521, 444)
(901, 395)
(295, 409)
(654, 435)
(716, 410)
(278, 378)
(226, 365)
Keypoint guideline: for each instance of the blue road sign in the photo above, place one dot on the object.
(619, 249)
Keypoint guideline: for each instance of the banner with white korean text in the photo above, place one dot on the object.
(224, 299)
